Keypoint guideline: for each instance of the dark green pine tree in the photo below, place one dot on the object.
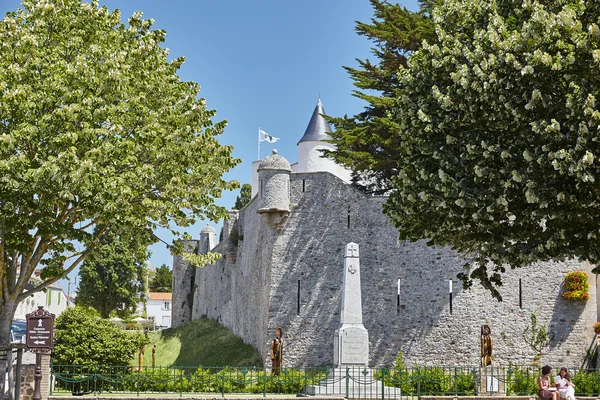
(244, 197)
(162, 280)
(367, 142)
(112, 278)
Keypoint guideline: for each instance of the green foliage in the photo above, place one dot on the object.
(201, 342)
(97, 129)
(83, 338)
(201, 380)
(494, 148)
(399, 361)
(536, 337)
(586, 384)
(162, 280)
(367, 143)
(112, 277)
(522, 380)
(244, 197)
(431, 380)
(434, 380)
(576, 286)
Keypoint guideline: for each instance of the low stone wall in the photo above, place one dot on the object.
(27, 381)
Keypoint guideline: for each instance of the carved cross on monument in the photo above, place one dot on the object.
(351, 342)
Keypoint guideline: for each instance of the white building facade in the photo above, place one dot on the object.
(158, 309)
(54, 300)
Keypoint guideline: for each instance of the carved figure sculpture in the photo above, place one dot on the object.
(277, 351)
(486, 346)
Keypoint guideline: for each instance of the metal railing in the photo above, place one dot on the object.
(358, 382)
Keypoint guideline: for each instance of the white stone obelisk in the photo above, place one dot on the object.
(351, 343)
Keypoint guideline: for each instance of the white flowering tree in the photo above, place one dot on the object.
(96, 129)
(499, 135)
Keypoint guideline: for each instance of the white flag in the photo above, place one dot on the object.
(265, 137)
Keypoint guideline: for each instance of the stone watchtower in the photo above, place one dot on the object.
(274, 190)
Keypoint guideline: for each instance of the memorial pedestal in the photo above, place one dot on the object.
(353, 382)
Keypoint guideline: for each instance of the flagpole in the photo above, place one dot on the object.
(258, 143)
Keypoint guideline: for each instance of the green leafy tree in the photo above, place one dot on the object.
(112, 278)
(162, 280)
(244, 197)
(81, 337)
(496, 133)
(367, 143)
(96, 128)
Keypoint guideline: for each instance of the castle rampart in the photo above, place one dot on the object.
(258, 289)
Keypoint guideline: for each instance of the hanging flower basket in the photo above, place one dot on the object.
(576, 286)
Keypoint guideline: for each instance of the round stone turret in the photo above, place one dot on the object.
(274, 189)
(208, 239)
(208, 229)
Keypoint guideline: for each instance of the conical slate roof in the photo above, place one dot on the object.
(318, 127)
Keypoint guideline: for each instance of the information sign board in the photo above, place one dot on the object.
(40, 329)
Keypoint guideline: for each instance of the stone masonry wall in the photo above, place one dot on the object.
(26, 386)
(183, 281)
(235, 290)
(259, 292)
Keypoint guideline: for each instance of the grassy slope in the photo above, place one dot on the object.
(202, 342)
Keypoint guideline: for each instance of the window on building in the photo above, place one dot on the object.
(49, 298)
(167, 305)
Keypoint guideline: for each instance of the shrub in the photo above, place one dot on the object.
(521, 381)
(586, 384)
(597, 327)
(83, 338)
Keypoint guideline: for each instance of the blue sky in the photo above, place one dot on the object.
(260, 63)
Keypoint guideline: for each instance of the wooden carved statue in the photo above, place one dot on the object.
(277, 351)
(486, 346)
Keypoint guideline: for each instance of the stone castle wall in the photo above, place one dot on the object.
(256, 290)
(235, 291)
(183, 279)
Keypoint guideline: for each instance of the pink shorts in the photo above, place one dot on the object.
(545, 394)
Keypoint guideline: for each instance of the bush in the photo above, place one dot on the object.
(83, 338)
(521, 381)
(430, 380)
(586, 384)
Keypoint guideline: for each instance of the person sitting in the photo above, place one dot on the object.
(565, 386)
(545, 390)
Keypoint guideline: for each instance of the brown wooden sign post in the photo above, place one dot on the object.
(40, 338)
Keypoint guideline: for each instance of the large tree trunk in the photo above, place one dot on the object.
(6, 317)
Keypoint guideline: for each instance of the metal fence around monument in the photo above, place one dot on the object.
(355, 382)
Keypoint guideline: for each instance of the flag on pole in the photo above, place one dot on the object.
(265, 137)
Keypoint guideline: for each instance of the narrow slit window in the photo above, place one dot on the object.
(298, 296)
(348, 217)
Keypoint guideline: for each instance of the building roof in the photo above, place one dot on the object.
(160, 296)
(276, 162)
(208, 229)
(318, 127)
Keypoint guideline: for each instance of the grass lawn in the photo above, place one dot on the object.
(200, 343)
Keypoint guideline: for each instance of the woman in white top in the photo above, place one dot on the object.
(564, 385)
